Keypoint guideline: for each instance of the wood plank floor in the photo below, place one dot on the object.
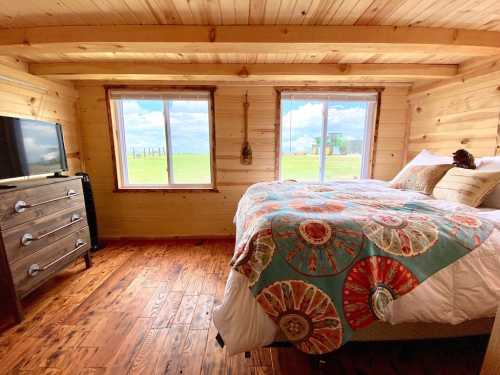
(145, 308)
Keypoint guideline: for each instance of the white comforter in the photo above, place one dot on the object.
(467, 289)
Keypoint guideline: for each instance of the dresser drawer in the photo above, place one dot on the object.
(29, 272)
(28, 238)
(21, 206)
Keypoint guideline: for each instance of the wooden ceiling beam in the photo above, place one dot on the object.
(241, 72)
(249, 39)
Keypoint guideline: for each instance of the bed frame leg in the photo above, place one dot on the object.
(318, 364)
(248, 354)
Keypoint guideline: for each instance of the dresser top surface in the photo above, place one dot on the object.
(31, 183)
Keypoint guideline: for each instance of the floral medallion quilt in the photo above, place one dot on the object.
(325, 260)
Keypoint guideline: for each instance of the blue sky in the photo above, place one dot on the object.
(144, 123)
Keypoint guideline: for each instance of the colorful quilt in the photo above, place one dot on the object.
(325, 260)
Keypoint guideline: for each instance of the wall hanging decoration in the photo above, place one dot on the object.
(246, 149)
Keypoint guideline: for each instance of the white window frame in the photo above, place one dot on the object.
(325, 97)
(114, 101)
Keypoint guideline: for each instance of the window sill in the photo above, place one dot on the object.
(166, 190)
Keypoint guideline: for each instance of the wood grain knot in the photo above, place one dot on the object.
(212, 34)
(243, 73)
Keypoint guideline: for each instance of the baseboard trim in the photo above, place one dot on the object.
(169, 237)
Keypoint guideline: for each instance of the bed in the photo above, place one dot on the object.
(318, 265)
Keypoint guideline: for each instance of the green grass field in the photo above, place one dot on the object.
(195, 169)
(188, 169)
(306, 167)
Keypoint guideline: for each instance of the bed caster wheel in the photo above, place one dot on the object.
(248, 355)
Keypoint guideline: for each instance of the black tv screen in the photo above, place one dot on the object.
(29, 147)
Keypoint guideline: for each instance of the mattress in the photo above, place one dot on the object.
(467, 289)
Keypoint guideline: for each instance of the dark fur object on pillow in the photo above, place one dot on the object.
(463, 159)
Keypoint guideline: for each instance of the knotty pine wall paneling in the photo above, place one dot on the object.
(465, 113)
(209, 214)
(27, 96)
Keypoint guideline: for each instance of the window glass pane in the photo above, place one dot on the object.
(301, 129)
(345, 137)
(189, 130)
(145, 142)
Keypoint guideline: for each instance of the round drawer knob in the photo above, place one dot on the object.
(20, 206)
(34, 270)
(26, 239)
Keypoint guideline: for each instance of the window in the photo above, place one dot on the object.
(163, 139)
(326, 136)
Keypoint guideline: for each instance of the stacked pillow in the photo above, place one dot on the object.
(433, 174)
(421, 178)
(491, 164)
(422, 173)
(466, 186)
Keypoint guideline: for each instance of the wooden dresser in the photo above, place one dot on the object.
(43, 228)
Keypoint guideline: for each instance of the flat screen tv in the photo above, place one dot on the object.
(29, 147)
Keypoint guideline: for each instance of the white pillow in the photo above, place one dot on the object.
(490, 163)
(425, 158)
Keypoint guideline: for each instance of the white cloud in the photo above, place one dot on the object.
(352, 116)
(306, 124)
(145, 127)
(307, 116)
(131, 107)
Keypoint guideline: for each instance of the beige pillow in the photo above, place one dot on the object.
(467, 186)
(420, 178)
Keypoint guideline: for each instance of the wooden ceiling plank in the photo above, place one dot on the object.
(357, 11)
(471, 14)
(199, 10)
(405, 7)
(271, 12)
(257, 11)
(342, 11)
(413, 16)
(47, 14)
(242, 11)
(484, 17)
(184, 11)
(106, 8)
(469, 9)
(299, 13)
(370, 12)
(118, 7)
(286, 11)
(316, 8)
(386, 11)
(234, 72)
(327, 16)
(87, 12)
(227, 12)
(142, 12)
(214, 12)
